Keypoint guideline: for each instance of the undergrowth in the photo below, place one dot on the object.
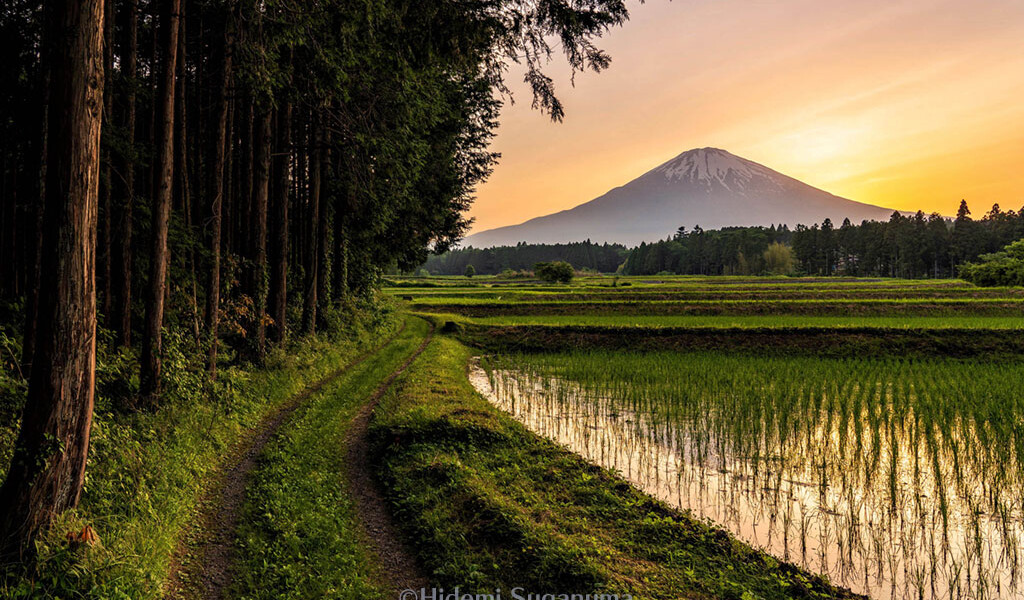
(147, 470)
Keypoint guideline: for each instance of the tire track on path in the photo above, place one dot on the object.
(203, 566)
(398, 567)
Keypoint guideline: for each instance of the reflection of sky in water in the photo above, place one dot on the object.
(836, 503)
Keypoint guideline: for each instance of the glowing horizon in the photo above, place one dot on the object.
(907, 105)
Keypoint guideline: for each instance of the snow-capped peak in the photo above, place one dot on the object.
(709, 165)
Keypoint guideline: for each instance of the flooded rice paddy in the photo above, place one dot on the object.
(895, 478)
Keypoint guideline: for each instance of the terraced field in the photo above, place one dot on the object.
(868, 431)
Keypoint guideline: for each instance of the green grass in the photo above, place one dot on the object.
(705, 294)
(486, 504)
(849, 307)
(784, 303)
(148, 471)
(299, 534)
(709, 293)
(750, 322)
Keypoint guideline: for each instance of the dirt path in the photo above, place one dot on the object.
(397, 566)
(202, 567)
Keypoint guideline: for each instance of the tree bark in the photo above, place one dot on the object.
(182, 191)
(106, 173)
(312, 246)
(342, 202)
(216, 192)
(261, 198)
(149, 381)
(48, 468)
(323, 232)
(122, 309)
(243, 209)
(279, 246)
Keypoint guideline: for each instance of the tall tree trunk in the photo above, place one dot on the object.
(323, 232)
(149, 381)
(230, 181)
(279, 246)
(312, 245)
(261, 199)
(182, 190)
(122, 310)
(106, 173)
(216, 191)
(342, 202)
(48, 468)
(243, 210)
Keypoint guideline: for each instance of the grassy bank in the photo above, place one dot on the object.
(486, 504)
(300, 536)
(775, 321)
(955, 309)
(785, 341)
(148, 471)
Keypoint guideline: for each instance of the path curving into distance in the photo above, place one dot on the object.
(398, 568)
(204, 565)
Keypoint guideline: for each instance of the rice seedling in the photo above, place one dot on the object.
(895, 477)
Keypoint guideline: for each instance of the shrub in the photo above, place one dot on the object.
(778, 259)
(554, 272)
(1003, 268)
(513, 274)
(470, 271)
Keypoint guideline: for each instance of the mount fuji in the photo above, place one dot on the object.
(708, 187)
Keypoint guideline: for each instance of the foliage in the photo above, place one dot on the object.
(512, 274)
(603, 258)
(1003, 268)
(778, 259)
(554, 272)
(12, 396)
(470, 271)
(904, 246)
(148, 471)
(726, 251)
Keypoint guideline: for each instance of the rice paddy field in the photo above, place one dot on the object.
(894, 473)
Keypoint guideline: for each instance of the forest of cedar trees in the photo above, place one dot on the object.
(232, 174)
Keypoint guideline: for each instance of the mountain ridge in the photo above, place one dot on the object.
(709, 187)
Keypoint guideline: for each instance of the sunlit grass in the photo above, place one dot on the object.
(756, 321)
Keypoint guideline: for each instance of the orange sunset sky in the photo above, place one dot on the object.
(909, 105)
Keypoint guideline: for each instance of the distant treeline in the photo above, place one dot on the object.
(604, 258)
(726, 251)
(913, 246)
(904, 246)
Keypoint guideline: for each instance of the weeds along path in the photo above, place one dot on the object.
(202, 567)
(398, 567)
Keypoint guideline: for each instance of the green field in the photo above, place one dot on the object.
(760, 321)
(869, 431)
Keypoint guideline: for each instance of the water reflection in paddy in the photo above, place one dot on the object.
(893, 510)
